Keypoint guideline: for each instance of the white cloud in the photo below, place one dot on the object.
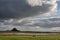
(16, 16)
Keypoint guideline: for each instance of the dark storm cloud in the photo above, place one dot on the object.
(21, 9)
(11, 9)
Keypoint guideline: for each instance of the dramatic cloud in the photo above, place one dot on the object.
(18, 13)
(31, 24)
(25, 8)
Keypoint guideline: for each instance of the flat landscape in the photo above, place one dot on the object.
(29, 36)
(40, 37)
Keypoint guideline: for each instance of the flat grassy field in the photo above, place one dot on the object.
(40, 37)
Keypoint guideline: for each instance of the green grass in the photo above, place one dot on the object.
(41, 37)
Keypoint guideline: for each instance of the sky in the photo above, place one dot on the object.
(30, 15)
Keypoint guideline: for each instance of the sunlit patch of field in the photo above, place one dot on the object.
(31, 37)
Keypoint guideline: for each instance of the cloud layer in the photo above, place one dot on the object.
(31, 24)
(25, 8)
(13, 14)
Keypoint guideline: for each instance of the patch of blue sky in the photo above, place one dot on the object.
(58, 7)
